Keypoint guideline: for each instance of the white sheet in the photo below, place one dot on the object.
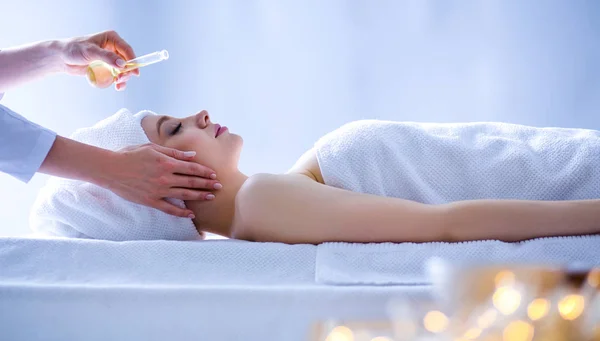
(161, 263)
(163, 290)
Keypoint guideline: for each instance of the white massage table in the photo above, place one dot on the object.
(60, 289)
(96, 290)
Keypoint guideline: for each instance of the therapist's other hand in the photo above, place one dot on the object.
(77, 53)
(149, 173)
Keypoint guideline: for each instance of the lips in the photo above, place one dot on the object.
(219, 130)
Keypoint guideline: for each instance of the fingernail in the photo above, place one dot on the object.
(191, 216)
(210, 197)
(218, 186)
(213, 176)
(189, 154)
(120, 62)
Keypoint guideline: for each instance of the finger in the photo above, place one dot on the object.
(184, 166)
(193, 169)
(120, 86)
(124, 77)
(188, 194)
(194, 182)
(120, 45)
(172, 209)
(122, 48)
(174, 153)
(94, 52)
(128, 73)
(136, 72)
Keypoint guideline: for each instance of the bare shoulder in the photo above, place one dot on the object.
(264, 186)
(308, 165)
(258, 196)
(257, 184)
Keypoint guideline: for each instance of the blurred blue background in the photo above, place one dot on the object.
(283, 73)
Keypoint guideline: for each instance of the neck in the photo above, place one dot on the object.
(216, 216)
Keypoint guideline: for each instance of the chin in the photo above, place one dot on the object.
(238, 141)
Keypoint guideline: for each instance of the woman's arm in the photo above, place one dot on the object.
(29, 62)
(25, 63)
(141, 174)
(294, 209)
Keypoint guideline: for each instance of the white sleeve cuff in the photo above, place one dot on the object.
(38, 154)
(24, 145)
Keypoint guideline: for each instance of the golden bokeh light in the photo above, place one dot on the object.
(435, 321)
(504, 278)
(506, 300)
(472, 333)
(538, 308)
(340, 333)
(571, 306)
(593, 278)
(518, 331)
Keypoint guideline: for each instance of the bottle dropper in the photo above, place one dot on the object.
(101, 75)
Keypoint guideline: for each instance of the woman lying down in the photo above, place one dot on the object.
(368, 181)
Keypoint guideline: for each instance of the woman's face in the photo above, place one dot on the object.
(214, 145)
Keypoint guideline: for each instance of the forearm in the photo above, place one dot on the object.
(513, 220)
(74, 160)
(26, 63)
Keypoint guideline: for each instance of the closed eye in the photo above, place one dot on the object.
(176, 130)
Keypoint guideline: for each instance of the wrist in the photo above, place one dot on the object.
(102, 173)
(79, 161)
(53, 51)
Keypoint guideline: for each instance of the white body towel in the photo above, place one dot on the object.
(440, 163)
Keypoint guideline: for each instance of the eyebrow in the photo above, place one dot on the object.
(159, 123)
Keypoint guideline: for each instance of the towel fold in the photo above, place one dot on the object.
(406, 263)
(71, 208)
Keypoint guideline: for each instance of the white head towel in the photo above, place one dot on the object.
(70, 208)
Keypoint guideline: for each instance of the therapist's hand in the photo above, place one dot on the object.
(149, 173)
(77, 53)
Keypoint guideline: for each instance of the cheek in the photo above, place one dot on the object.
(186, 143)
(207, 151)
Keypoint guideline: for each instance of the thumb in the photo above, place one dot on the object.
(97, 53)
(177, 154)
(171, 209)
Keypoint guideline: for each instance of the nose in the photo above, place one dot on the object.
(202, 119)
